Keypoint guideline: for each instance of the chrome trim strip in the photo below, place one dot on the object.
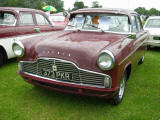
(63, 81)
(154, 42)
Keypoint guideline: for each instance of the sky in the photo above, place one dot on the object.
(125, 4)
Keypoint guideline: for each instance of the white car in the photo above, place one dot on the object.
(20, 23)
(153, 26)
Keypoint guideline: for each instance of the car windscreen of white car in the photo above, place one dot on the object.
(7, 18)
(153, 23)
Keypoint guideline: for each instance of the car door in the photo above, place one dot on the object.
(42, 23)
(139, 44)
(25, 24)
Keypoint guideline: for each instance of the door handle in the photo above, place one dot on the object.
(37, 30)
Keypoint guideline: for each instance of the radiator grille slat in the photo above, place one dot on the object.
(79, 76)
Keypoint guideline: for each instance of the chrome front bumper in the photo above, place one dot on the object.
(154, 42)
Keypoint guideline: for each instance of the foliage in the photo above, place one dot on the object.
(78, 5)
(36, 4)
(95, 4)
(144, 11)
(141, 10)
(153, 11)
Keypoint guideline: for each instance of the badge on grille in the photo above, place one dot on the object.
(54, 68)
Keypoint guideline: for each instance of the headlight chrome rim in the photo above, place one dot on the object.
(112, 60)
(20, 45)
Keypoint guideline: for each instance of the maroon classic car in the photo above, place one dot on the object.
(20, 22)
(93, 56)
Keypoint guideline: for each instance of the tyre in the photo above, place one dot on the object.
(1, 58)
(119, 95)
(141, 60)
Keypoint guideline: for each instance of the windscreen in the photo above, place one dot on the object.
(153, 23)
(105, 22)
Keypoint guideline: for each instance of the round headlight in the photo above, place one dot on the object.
(106, 60)
(18, 48)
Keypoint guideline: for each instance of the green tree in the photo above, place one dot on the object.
(141, 10)
(95, 4)
(78, 5)
(153, 11)
(36, 4)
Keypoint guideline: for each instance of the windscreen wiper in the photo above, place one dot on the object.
(75, 27)
(96, 27)
(71, 25)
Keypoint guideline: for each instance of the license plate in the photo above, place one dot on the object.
(56, 74)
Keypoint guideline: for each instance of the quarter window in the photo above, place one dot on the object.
(41, 20)
(26, 19)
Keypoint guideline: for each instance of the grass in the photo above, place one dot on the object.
(22, 101)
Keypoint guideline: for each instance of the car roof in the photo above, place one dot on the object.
(105, 10)
(19, 9)
(154, 17)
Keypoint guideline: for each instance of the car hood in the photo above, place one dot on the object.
(153, 31)
(79, 47)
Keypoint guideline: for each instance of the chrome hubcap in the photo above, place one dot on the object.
(142, 58)
(122, 87)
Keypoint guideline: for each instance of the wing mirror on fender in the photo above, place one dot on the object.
(132, 35)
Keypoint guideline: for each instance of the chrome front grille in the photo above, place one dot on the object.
(62, 67)
(30, 67)
(79, 76)
(91, 78)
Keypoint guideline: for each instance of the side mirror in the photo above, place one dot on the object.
(132, 35)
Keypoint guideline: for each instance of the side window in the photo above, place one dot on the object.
(139, 24)
(7, 18)
(134, 25)
(25, 19)
(41, 20)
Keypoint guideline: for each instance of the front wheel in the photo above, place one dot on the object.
(119, 95)
(141, 60)
(1, 58)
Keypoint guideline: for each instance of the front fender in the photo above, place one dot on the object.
(6, 43)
